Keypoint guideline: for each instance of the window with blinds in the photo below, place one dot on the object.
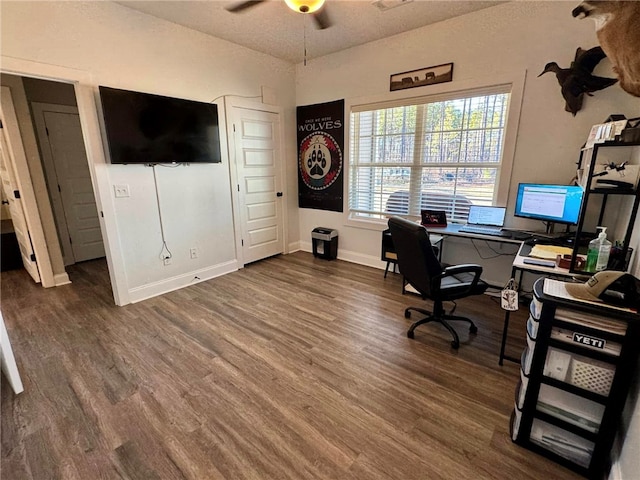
(439, 153)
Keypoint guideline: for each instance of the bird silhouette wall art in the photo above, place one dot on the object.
(578, 80)
(618, 31)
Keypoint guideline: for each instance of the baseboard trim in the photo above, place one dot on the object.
(180, 281)
(61, 279)
(375, 262)
(352, 257)
(294, 247)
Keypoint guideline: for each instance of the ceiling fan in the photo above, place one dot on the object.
(311, 7)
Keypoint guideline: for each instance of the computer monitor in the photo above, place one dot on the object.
(549, 203)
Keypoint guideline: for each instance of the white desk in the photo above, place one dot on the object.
(453, 230)
(514, 237)
(519, 267)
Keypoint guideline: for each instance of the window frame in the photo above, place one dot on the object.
(514, 81)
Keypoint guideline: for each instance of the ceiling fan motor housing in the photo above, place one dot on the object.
(305, 6)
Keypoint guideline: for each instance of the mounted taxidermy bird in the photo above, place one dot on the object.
(618, 30)
(577, 80)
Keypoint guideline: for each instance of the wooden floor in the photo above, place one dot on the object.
(292, 368)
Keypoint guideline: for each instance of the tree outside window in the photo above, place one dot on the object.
(442, 155)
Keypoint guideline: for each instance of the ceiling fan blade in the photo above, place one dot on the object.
(322, 18)
(239, 7)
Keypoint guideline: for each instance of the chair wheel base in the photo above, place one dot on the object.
(473, 329)
(455, 345)
(407, 313)
(410, 334)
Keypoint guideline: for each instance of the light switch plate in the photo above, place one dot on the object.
(121, 191)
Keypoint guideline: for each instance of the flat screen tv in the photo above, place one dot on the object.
(550, 203)
(143, 128)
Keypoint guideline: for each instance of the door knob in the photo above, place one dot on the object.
(5, 202)
(279, 194)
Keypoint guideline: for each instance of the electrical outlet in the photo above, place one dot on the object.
(193, 252)
(166, 260)
(121, 191)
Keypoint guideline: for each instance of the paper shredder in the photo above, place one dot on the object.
(325, 243)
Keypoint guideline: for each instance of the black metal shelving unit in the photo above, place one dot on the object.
(570, 410)
(588, 161)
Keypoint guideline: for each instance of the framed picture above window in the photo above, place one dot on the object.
(421, 77)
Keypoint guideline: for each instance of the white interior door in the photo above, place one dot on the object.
(8, 361)
(258, 162)
(69, 179)
(10, 187)
(17, 168)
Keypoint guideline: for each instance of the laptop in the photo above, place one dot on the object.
(485, 220)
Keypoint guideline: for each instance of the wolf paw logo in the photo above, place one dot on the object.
(317, 161)
(320, 160)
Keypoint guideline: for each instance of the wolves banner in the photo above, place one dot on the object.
(320, 163)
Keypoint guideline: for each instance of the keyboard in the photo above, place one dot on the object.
(495, 231)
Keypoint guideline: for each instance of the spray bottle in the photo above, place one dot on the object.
(598, 252)
(603, 251)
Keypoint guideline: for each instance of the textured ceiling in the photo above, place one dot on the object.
(272, 28)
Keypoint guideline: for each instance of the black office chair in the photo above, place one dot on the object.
(420, 268)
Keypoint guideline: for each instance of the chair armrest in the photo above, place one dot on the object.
(473, 268)
(464, 268)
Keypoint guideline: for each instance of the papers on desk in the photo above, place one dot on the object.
(549, 252)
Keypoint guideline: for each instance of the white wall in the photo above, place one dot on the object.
(628, 465)
(514, 37)
(122, 48)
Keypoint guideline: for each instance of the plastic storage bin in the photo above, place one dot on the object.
(583, 372)
(566, 444)
(594, 321)
(571, 408)
(521, 390)
(597, 344)
(525, 361)
(535, 307)
(514, 425)
(532, 327)
(592, 376)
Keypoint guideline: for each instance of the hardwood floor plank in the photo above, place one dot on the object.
(132, 463)
(291, 368)
(40, 456)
